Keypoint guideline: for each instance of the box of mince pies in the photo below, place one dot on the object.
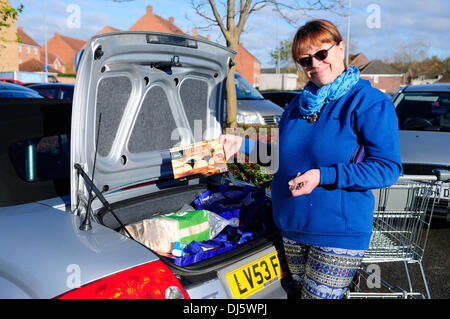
(201, 158)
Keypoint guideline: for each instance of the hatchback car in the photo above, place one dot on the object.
(62, 91)
(8, 90)
(139, 100)
(424, 121)
(252, 107)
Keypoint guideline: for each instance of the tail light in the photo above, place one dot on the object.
(149, 281)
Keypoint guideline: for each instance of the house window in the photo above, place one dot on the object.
(375, 79)
(20, 61)
(28, 50)
(35, 51)
(20, 48)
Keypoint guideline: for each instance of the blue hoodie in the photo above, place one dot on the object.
(339, 212)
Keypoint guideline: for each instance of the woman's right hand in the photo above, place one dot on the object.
(231, 144)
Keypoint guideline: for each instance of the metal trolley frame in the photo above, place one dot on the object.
(402, 218)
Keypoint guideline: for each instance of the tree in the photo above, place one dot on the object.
(408, 56)
(232, 16)
(8, 15)
(283, 52)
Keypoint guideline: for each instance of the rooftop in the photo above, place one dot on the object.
(25, 38)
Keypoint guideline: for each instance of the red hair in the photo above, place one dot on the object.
(315, 32)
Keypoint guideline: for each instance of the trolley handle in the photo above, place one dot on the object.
(442, 175)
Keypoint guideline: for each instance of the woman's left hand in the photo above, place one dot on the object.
(304, 183)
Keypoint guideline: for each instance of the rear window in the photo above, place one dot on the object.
(42, 158)
(423, 111)
(48, 93)
(244, 90)
(66, 94)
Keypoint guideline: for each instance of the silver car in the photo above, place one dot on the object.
(252, 107)
(137, 95)
(424, 121)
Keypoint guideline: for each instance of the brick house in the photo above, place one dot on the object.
(28, 48)
(54, 62)
(9, 56)
(65, 49)
(108, 29)
(381, 75)
(359, 61)
(35, 65)
(153, 22)
(247, 65)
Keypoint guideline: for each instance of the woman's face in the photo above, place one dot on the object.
(325, 71)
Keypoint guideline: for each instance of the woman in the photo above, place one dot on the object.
(322, 202)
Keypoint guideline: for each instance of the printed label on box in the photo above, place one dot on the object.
(205, 158)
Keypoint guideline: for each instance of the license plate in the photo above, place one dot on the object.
(255, 276)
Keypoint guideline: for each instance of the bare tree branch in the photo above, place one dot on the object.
(219, 19)
(243, 15)
(232, 31)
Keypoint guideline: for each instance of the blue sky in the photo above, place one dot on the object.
(377, 27)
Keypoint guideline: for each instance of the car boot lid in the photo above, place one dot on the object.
(137, 95)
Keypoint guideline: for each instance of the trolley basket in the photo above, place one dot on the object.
(401, 223)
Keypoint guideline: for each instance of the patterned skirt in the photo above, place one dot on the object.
(321, 272)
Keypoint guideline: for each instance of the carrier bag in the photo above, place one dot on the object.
(228, 239)
(246, 203)
(161, 232)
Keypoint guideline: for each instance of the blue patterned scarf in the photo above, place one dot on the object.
(313, 98)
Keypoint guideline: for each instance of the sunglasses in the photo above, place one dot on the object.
(319, 55)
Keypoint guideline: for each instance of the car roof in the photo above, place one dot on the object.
(435, 87)
(52, 84)
(15, 87)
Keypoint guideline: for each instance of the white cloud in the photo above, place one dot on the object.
(401, 22)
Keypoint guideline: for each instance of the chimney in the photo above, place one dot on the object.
(149, 10)
(208, 37)
(194, 32)
(171, 20)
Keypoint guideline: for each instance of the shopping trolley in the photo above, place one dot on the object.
(402, 218)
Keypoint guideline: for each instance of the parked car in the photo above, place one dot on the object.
(424, 121)
(252, 107)
(8, 90)
(134, 91)
(280, 98)
(11, 81)
(62, 91)
(28, 77)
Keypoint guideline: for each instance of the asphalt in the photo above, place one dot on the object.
(435, 261)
